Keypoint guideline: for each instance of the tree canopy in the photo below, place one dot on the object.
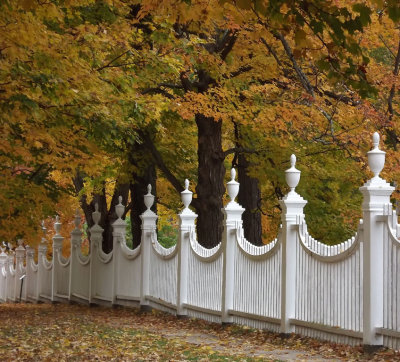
(105, 89)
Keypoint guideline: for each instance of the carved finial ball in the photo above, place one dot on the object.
(375, 139)
(293, 160)
(149, 188)
(186, 184)
(20, 242)
(120, 199)
(96, 207)
(233, 174)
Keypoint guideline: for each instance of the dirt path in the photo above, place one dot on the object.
(75, 333)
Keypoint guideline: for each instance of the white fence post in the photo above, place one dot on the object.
(186, 225)
(149, 219)
(376, 194)
(42, 254)
(57, 251)
(19, 268)
(119, 232)
(30, 279)
(96, 238)
(292, 212)
(76, 239)
(3, 265)
(10, 269)
(233, 219)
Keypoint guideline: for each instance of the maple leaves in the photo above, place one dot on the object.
(43, 331)
(80, 79)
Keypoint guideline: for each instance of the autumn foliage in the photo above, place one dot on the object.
(105, 89)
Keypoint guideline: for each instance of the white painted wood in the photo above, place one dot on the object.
(119, 233)
(19, 271)
(292, 214)
(232, 218)
(187, 225)
(149, 219)
(347, 293)
(79, 284)
(376, 193)
(61, 268)
(31, 274)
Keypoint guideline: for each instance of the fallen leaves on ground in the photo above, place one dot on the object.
(77, 332)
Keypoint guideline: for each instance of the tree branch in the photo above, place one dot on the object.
(158, 91)
(303, 79)
(112, 61)
(239, 150)
(163, 167)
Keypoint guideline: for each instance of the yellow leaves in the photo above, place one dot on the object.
(27, 4)
(300, 38)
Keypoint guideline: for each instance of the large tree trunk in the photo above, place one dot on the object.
(210, 186)
(249, 197)
(138, 189)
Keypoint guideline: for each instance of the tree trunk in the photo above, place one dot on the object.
(249, 197)
(210, 187)
(138, 189)
(107, 216)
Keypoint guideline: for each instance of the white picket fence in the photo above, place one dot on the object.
(347, 293)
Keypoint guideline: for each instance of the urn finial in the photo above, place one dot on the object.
(119, 209)
(44, 231)
(57, 225)
(293, 160)
(186, 195)
(376, 157)
(148, 198)
(292, 174)
(96, 215)
(233, 186)
(375, 140)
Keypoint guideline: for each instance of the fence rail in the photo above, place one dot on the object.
(345, 293)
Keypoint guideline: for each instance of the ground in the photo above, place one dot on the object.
(77, 332)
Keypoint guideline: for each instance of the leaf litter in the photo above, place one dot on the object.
(76, 332)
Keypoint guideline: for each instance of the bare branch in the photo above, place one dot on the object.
(112, 61)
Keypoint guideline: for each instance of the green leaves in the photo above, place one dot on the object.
(365, 13)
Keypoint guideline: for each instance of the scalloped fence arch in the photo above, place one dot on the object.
(346, 293)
